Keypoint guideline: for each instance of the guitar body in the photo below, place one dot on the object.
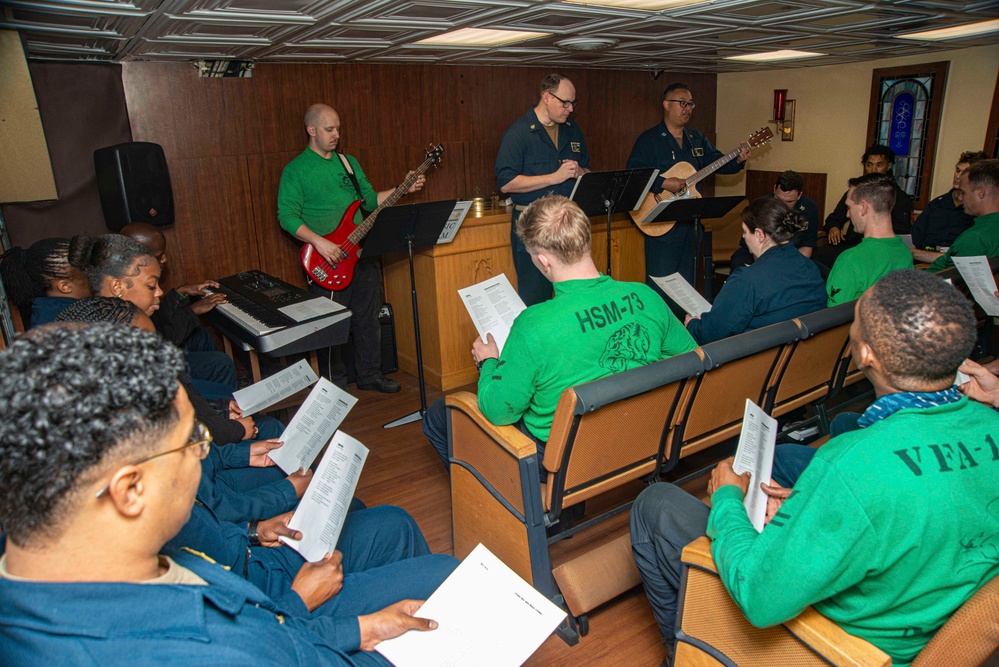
(682, 170)
(691, 177)
(334, 277)
(348, 236)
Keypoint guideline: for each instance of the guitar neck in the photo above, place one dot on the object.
(713, 167)
(365, 227)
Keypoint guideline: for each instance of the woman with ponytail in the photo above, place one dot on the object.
(40, 280)
(780, 285)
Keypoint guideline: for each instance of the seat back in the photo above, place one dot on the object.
(970, 636)
(811, 366)
(736, 368)
(611, 431)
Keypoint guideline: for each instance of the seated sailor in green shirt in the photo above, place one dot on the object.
(593, 327)
(980, 191)
(869, 204)
(891, 527)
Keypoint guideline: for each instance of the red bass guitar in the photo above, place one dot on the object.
(338, 276)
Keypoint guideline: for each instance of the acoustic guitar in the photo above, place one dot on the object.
(337, 277)
(691, 177)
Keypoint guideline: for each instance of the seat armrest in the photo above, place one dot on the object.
(509, 438)
(813, 629)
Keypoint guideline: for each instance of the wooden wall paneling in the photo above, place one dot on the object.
(227, 207)
(283, 93)
(213, 235)
(190, 116)
(279, 251)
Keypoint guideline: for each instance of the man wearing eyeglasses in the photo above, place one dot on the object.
(101, 456)
(543, 152)
(661, 147)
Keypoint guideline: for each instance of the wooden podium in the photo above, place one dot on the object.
(479, 251)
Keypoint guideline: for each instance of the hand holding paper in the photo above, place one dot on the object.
(273, 389)
(493, 305)
(312, 426)
(482, 609)
(323, 509)
(683, 294)
(755, 455)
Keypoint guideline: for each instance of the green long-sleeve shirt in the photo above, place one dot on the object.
(860, 267)
(981, 239)
(589, 330)
(888, 531)
(316, 192)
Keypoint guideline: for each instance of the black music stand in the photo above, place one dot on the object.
(410, 227)
(694, 210)
(600, 192)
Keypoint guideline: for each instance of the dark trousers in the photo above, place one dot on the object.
(825, 256)
(665, 519)
(673, 252)
(532, 286)
(435, 428)
(364, 298)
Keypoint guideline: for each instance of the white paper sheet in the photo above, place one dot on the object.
(978, 277)
(323, 509)
(454, 222)
(961, 378)
(755, 454)
(312, 426)
(493, 305)
(311, 308)
(678, 289)
(486, 615)
(275, 388)
(907, 240)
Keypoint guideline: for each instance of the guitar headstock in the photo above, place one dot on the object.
(761, 137)
(434, 154)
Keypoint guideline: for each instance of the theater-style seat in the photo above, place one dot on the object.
(810, 371)
(736, 368)
(606, 435)
(712, 630)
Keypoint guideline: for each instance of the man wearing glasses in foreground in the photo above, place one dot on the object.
(543, 152)
(661, 147)
(101, 456)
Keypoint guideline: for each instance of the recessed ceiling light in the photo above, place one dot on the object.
(586, 43)
(645, 5)
(481, 37)
(955, 32)
(770, 56)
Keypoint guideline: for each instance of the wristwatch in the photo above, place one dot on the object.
(251, 532)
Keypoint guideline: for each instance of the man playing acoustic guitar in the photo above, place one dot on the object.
(316, 189)
(662, 147)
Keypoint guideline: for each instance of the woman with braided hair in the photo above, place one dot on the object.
(780, 285)
(40, 280)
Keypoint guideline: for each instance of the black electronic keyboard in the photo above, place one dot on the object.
(276, 318)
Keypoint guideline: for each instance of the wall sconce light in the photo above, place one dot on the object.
(784, 114)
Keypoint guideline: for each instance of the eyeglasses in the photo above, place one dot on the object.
(200, 437)
(684, 104)
(565, 105)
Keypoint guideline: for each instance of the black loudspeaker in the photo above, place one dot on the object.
(134, 184)
(390, 356)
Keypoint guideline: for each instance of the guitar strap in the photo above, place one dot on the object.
(350, 172)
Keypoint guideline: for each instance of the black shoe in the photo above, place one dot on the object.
(382, 384)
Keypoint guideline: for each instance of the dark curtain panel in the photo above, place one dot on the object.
(82, 107)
